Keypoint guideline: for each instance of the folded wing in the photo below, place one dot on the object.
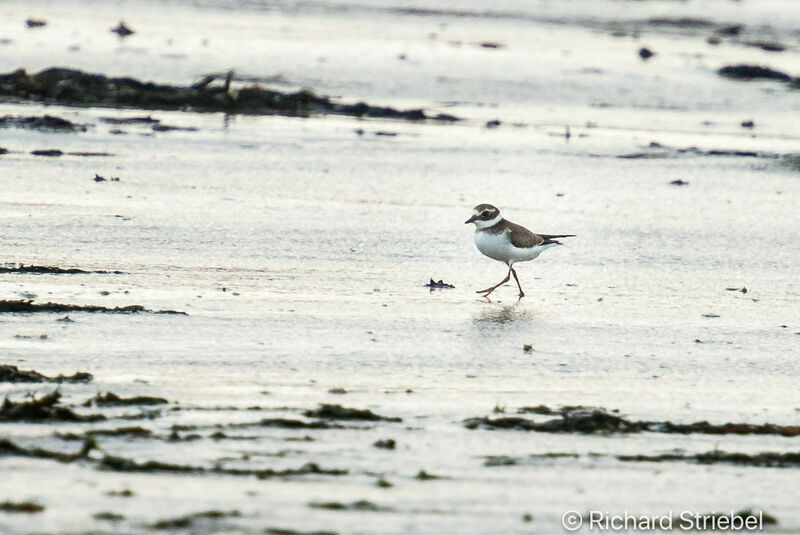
(522, 237)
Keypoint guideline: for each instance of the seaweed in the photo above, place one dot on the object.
(122, 464)
(306, 469)
(108, 516)
(360, 505)
(188, 520)
(766, 459)
(589, 420)
(422, 475)
(385, 444)
(285, 531)
(28, 306)
(438, 285)
(12, 374)
(124, 493)
(137, 431)
(129, 120)
(76, 88)
(110, 399)
(505, 460)
(753, 72)
(114, 463)
(20, 507)
(8, 448)
(538, 409)
(337, 412)
(44, 122)
(592, 421)
(658, 151)
(287, 423)
(44, 408)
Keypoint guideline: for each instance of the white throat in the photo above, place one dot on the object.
(480, 225)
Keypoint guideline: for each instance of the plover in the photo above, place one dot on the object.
(507, 242)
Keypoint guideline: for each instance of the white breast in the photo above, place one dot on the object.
(499, 247)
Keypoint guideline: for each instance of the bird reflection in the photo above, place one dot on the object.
(498, 315)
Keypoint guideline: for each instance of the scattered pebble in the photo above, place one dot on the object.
(108, 516)
(645, 53)
(122, 30)
(385, 444)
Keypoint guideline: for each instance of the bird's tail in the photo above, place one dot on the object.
(553, 238)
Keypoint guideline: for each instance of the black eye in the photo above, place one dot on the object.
(485, 213)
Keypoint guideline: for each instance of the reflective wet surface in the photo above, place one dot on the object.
(299, 249)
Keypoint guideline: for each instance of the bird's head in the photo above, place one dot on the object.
(484, 216)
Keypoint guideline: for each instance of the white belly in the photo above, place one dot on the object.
(499, 247)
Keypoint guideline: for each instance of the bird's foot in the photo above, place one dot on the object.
(521, 295)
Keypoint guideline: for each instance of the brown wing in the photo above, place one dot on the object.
(522, 237)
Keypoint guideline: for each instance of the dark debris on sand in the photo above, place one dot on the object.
(20, 507)
(505, 460)
(440, 284)
(122, 30)
(385, 444)
(360, 505)
(52, 270)
(23, 305)
(115, 463)
(110, 399)
(123, 464)
(754, 72)
(43, 122)
(108, 516)
(55, 153)
(45, 408)
(76, 88)
(188, 521)
(12, 374)
(286, 531)
(130, 120)
(137, 431)
(10, 449)
(337, 412)
(48, 153)
(658, 151)
(287, 423)
(767, 459)
(588, 420)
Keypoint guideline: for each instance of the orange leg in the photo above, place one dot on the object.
(487, 291)
(521, 293)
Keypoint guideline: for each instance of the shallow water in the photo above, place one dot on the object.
(299, 249)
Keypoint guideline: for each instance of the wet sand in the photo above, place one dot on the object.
(315, 383)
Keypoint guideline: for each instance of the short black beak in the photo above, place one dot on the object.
(470, 220)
